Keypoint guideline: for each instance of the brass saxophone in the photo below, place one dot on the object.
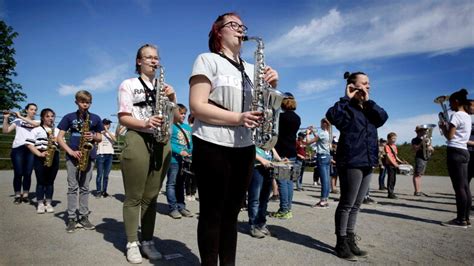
(164, 108)
(51, 150)
(85, 146)
(266, 100)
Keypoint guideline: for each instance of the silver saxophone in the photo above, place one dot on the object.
(266, 100)
(164, 108)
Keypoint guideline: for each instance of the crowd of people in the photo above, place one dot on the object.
(214, 153)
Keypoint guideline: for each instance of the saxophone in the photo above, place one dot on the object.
(85, 146)
(51, 150)
(266, 100)
(165, 109)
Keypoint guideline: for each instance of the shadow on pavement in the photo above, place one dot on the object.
(399, 215)
(284, 234)
(412, 206)
(113, 232)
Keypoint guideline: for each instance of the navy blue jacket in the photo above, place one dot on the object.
(358, 143)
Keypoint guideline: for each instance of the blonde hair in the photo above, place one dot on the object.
(83, 95)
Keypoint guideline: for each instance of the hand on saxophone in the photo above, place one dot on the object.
(250, 119)
(75, 154)
(170, 93)
(271, 76)
(154, 121)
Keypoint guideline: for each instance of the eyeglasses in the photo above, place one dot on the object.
(236, 26)
(151, 58)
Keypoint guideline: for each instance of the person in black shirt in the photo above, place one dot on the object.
(421, 157)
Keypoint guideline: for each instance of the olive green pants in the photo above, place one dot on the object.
(144, 164)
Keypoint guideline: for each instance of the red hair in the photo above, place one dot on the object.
(215, 45)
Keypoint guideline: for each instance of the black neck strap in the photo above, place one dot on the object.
(150, 98)
(239, 65)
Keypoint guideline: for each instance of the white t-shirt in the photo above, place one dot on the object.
(39, 138)
(226, 92)
(22, 133)
(131, 93)
(462, 122)
(106, 145)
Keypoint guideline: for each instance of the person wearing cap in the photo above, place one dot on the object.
(421, 158)
(288, 126)
(105, 154)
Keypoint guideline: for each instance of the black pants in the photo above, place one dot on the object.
(223, 175)
(391, 179)
(470, 171)
(458, 160)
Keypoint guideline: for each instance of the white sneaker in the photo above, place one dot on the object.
(49, 208)
(189, 198)
(133, 253)
(149, 250)
(41, 208)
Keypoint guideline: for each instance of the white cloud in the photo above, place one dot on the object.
(392, 29)
(309, 87)
(405, 128)
(105, 81)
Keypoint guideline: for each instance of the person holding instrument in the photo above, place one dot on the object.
(357, 119)
(144, 160)
(223, 149)
(22, 158)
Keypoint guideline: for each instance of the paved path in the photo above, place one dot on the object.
(405, 231)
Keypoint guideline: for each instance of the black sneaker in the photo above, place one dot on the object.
(392, 196)
(455, 223)
(84, 222)
(105, 194)
(17, 200)
(369, 201)
(418, 194)
(25, 199)
(71, 225)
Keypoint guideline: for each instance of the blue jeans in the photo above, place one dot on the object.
(382, 173)
(324, 161)
(22, 160)
(285, 188)
(258, 195)
(175, 187)
(104, 164)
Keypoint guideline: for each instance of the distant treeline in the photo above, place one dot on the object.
(436, 165)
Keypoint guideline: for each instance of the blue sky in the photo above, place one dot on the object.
(412, 51)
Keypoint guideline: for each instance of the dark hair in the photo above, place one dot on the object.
(182, 107)
(44, 112)
(31, 104)
(352, 77)
(460, 96)
(214, 42)
(139, 55)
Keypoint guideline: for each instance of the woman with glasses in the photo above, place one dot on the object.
(22, 158)
(223, 154)
(144, 161)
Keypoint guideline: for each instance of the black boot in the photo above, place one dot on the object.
(342, 249)
(351, 241)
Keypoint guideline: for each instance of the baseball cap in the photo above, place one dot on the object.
(106, 121)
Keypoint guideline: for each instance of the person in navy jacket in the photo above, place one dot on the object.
(357, 119)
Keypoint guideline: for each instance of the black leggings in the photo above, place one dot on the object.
(223, 175)
(458, 160)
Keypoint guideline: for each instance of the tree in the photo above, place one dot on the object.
(10, 92)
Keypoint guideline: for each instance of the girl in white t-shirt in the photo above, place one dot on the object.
(38, 143)
(22, 158)
(457, 132)
(223, 150)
